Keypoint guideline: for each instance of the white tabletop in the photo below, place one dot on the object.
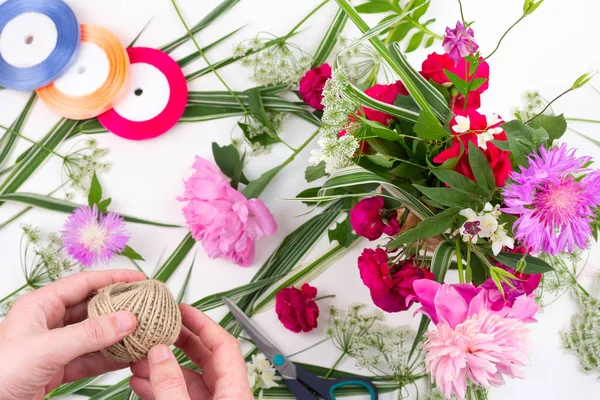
(546, 53)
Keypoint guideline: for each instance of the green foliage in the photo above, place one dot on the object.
(95, 195)
(132, 254)
(314, 172)
(583, 80)
(342, 233)
(256, 187)
(523, 140)
(228, 160)
(428, 127)
(164, 271)
(427, 228)
(330, 39)
(533, 265)
(530, 6)
(481, 168)
(554, 125)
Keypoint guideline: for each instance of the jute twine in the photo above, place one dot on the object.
(157, 313)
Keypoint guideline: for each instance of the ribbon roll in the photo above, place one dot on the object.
(155, 101)
(98, 78)
(39, 40)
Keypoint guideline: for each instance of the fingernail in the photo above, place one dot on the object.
(125, 321)
(159, 353)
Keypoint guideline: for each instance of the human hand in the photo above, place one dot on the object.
(45, 338)
(214, 350)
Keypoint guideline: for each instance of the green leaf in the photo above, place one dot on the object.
(459, 182)
(502, 144)
(257, 108)
(476, 83)
(478, 269)
(183, 289)
(330, 39)
(342, 233)
(428, 127)
(427, 228)
(484, 175)
(10, 139)
(374, 7)
(555, 125)
(314, 172)
(216, 300)
(533, 265)
(447, 196)
(583, 80)
(420, 7)
(523, 140)
(237, 174)
(70, 388)
(196, 55)
(95, 194)
(256, 187)
(380, 130)
(415, 42)
(228, 160)
(460, 84)
(132, 254)
(164, 272)
(67, 207)
(380, 160)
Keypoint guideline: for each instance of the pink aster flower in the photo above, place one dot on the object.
(90, 236)
(459, 42)
(221, 218)
(555, 208)
(472, 341)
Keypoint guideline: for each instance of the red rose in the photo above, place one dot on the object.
(391, 286)
(386, 94)
(366, 219)
(296, 309)
(433, 68)
(498, 159)
(312, 84)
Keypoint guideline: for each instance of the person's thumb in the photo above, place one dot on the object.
(166, 376)
(94, 334)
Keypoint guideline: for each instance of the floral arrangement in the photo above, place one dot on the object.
(471, 221)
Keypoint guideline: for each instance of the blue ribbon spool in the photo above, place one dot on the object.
(31, 60)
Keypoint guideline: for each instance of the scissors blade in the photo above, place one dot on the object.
(285, 367)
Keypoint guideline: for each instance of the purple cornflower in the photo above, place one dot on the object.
(459, 42)
(555, 208)
(90, 236)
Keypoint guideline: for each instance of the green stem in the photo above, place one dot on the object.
(13, 293)
(549, 104)
(310, 14)
(469, 277)
(591, 121)
(339, 360)
(423, 28)
(212, 68)
(299, 149)
(329, 296)
(503, 36)
(461, 276)
(308, 348)
(13, 132)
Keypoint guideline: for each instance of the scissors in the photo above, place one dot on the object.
(302, 384)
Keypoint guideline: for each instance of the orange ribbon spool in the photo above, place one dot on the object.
(95, 82)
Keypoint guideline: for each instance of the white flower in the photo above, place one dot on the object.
(500, 239)
(261, 374)
(463, 124)
(488, 225)
(484, 137)
(492, 119)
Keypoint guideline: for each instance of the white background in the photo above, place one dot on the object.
(546, 52)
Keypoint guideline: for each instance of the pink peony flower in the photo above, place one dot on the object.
(459, 42)
(221, 218)
(471, 340)
(367, 220)
(312, 84)
(482, 348)
(89, 236)
(296, 309)
(386, 94)
(391, 287)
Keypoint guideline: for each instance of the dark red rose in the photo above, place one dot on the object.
(312, 84)
(386, 94)
(498, 159)
(367, 219)
(433, 68)
(391, 287)
(296, 309)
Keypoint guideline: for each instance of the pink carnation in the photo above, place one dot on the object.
(312, 84)
(221, 218)
(367, 219)
(386, 94)
(296, 308)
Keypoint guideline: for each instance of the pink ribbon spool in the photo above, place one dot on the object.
(156, 100)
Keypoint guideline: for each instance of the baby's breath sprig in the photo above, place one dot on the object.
(282, 63)
(79, 165)
(362, 62)
(257, 135)
(562, 279)
(42, 262)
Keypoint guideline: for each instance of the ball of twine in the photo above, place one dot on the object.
(157, 313)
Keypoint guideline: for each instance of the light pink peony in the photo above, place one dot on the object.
(221, 218)
(472, 340)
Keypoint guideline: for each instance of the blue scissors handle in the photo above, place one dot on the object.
(324, 387)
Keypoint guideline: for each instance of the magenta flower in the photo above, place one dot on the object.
(90, 236)
(221, 218)
(555, 208)
(459, 42)
(367, 219)
(472, 341)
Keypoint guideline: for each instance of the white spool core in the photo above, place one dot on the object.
(148, 96)
(87, 74)
(28, 39)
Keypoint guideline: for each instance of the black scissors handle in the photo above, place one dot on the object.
(324, 387)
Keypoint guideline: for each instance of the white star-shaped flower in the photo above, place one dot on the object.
(463, 124)
(492, 119)
(500, 239)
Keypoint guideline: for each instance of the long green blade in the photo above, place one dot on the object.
(9, 139)
(329, 40)
(165, 271)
